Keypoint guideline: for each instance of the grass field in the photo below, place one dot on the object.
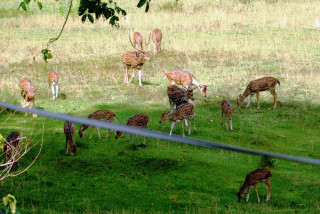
(225, 44)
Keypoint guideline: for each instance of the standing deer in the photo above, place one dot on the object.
(69, 130)
(104, 115)
(256, 86)
(27, 93)
(178, 96)
(135, 60)
(227, 110)
(11, 148)
(156, 38)
(53, 78)
(252, 179)
(138, 40)
(183, 113)
(140, 121)
(185, 79)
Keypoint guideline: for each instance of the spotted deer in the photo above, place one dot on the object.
(27, 93)
(227, 110)
(186, 79)
(53, 78)
(69, 130)
(139, 121)
(138, 40)
(11, 148)
(178, 96)
(256, 86)
(135, 60)
(181, 114)
(156, 38)
(104, 115)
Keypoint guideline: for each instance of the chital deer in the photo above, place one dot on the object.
(256, 86)
(138, 40)
(135, 60)
(27, 93)
(182, 114)
(178, 96)
(140, 121)
(156, 38)
(252, 179)
(186, 79)
(104, 115)
(11, 148)
(69, 130)
(53, 78)
(227, 110)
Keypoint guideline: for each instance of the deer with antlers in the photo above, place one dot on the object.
(69, 130)
(156, 38)
(28, 92)
(256, 86)
(181, 114)
(53, 78)
(11, 148)
(104, 115)
(186, 79)
(135, 60)
(227, 110)
(252, 179)
(178, 96)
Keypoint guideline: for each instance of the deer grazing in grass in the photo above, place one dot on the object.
(256, 86)
(186, 79)
(11, 148)
(104, 115)
(135, 60)
(156, 38)
(178, 96)
(252, 179)
(53, 78)
(227, 110)
(69, 130)
(28, 92)
(139, 121)
(181, 114)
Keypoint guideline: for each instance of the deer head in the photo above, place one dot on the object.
(239, 101)
(145, 53)
(164, 116)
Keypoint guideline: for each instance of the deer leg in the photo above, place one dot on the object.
(227, 121)
(231, 125)
(189, 120)
(194, 124)
(269, 189)
(107, 135)
(275, 97)
(91, 132)
(57, 90)
(132, 75)
(126, 75)
(172, 126)
(256, 190)
(248, 105)
(140, 84)
(52, 89)
(182, 129)
(258, 99)
(98, 129)
(248, 194)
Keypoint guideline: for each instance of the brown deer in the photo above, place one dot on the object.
(138, 40)
(252, 179)
(135, 60)
(178, 96)
(27, 93)
(53, 78)
(227, 110)
(69, 130)
(186, 79)
(140, 121)
(104, 115)
(11, 148)
(182, 114)
(156, 38)
(256, 86)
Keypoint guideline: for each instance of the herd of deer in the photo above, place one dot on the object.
(180, 93)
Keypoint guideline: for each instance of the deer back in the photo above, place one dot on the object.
(53, 76)
(139, 120)
(69, 130)
(226, 107)
(28, 87)
(156, 36)
(102, 115)
(138, 40)
(182, 112)
(257, 176)
(135, 58)
(178, 95)
(262, 84)
(179, 77)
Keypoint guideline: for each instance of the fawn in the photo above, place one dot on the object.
(104, 115)
(252, 179)
(255, 86)
(27, 93)
(178, 96)
(156, 38)
(69, 130)
(227, 110)
(11, 148)
(53, 78)
(140, 121)
(186, 79)
(182, 113)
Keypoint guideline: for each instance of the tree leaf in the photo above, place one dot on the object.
(27, 1)
(141, 3)
(90, 17)
(84, 17)
(113, 20)
(147, 8)
(40, 5)
(23, 5)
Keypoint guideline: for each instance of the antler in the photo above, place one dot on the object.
(132, 43)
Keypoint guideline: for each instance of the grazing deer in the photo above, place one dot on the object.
(178, 96)
(256, 86)
(227, 110)
(104, 115)
(186, 79)
(11, 148)
(156, 38)
(53, 78)
(252, 179)
(69, 130)
(138, 40)
(140, 121)
(27, 93)
(183, 113)
(135, 60)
